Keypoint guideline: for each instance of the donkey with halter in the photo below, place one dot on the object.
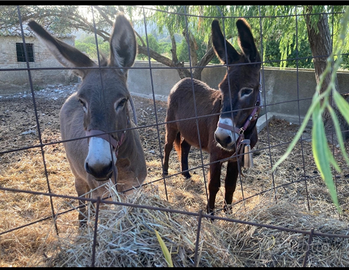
(99, 110)
(226, 119)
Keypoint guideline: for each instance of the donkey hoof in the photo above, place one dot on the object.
(82, 224)
(227, 208)
(187, 175)
(212, 217)
(164, 172)
(210, 210)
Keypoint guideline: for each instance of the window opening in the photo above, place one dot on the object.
(21, 54)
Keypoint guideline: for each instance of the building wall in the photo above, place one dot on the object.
(14, 80)
(284, 91)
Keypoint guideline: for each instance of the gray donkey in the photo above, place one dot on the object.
(99, 111)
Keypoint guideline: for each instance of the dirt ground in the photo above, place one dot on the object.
(22, 167)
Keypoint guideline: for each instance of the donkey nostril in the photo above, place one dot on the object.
(217, 138)
(104, 172)
(223, 142)
(87, 168)
(227, 140)
(109, 169)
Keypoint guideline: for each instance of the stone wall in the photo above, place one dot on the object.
(13, 80)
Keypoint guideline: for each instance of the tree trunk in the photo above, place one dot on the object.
(320, 44)
(321, 47)
(182, 72)
(204, 60)
(193, 47)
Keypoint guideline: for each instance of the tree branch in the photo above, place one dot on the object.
(192, 47)
(182, 72)
(203, 62)
(156, 56)
(104, 15)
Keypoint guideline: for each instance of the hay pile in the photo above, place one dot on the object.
(126, 237)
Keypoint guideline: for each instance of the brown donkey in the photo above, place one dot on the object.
(226, 118)
(99, 110)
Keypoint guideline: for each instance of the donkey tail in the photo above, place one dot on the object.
(177, 145)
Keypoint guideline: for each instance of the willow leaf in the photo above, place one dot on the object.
(327, 148)
(338, 133)
(164, 250)
(321, 154)
(342, 105)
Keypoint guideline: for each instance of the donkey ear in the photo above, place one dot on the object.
(219, 47)
(246, 41)
(123, 45)
(67, 55)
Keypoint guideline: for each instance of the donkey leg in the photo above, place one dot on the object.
(170, 137)
(230, 183)
(185, 148)
(81, 188)
(214, 184)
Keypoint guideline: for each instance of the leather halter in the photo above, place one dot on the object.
(105, 136)
(253, 117)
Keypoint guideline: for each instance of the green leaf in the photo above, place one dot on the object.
(164, 250)
(338, 133)
(342, 105)
(322, 154)
(321, 151)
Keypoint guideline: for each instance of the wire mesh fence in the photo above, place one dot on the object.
(280, 218)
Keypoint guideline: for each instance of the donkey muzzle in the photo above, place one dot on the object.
(102, 173)
(225, 135)
(102, 156)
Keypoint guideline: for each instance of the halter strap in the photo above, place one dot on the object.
(106, 136)
(253, 116)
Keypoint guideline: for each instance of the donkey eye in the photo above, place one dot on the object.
(245, 92)
(83, 103)
(120, 104)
